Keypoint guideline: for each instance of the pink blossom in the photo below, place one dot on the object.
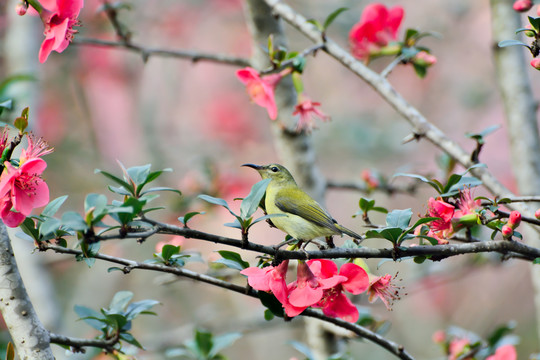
(538, 10)
(535, 63)
(334, 303)
(441, 228)
(514, 219)
(261, 89)
(537, 214)
(522, 5)
(377, 27)
(381, 287)
(457, 347)
(466, 204)
(439, 337)
(424, 58)
(36, 148)
(59, 20)
(21, 9)
(22, 190)
(308, 111)
(370, 178)
(505, 352)
(308, 289)
(270, 278)
(507, 231)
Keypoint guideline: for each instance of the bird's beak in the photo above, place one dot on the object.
(253, 166)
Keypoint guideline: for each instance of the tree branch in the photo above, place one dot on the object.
(422, 127)
(30, 338)
(130, 265)
(78, 345)
(146, 52)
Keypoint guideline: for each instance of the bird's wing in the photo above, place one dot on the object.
(304, 206)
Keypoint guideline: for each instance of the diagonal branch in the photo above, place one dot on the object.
(422, 127)
(396, 349)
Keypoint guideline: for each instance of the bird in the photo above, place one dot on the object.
(305, 219)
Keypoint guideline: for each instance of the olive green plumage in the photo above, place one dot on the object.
(305, 218)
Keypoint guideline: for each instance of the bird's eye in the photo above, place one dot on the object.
(274, 169)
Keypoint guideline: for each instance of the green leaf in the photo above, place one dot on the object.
(120, 301)
(399, 218)
(268, 315)
(89, 316)
(119, 190)
(500, 332)
(168, 251)
(410, 34)
(49, 226)
(392, 234)
(271, 303)
(6, 105)
(535, 23)
(216, 201)
(536, 261)
(223, 341)
(52, 208)
(297, 82)
(366, 204)
(161, 188)
(333, 15)
(232, 259)
(251, 202)
(433, 184)
(127, 186)
(420, 70)
(127, 337)
(29, 228)
(10, 351)
(316, 23)
(139, 174)
(74, 221)
(464, 181)
(203, 341)
(512, 42)
(140, 307)
(419, 259)
(98, 202)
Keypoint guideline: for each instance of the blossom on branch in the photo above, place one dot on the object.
(382, 287)
(270, 278)
(535, 63)
(261, 88)
(21, 190)
(505, 352)
(59, 17)
(307, 110)
(378, 26)
(523, 5)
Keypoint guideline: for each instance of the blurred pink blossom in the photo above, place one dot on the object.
(59, 18)
(522, 5)
(307, 110)
(377, 27)
(382, 287)
(505, 352)
(261, 89)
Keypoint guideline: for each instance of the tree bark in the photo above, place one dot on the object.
(30, 338)
(521, 116)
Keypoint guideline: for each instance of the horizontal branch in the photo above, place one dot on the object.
(362, 187)
(78, 345)
(130, 265)
(146, 52)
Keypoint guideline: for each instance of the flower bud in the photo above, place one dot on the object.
(538, 10)
(523, 5)
(514, 220)
(535, 63)
(424, 58)
(468, 220)
(21, 8)
(439, 337)
(537, 214)
(507, 231)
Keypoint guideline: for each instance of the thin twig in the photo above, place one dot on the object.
(362, 187)
(78, 345)
(146, 52)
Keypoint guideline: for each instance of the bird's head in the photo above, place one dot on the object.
(277, 173)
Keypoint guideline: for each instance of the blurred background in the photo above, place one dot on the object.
(97, 106)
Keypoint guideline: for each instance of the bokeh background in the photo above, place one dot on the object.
(97, 106)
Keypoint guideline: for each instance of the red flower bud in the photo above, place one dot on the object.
(523, 5)
(507, 231)
(537, 214)
(514, 219)
(21, 9)
(535, 63)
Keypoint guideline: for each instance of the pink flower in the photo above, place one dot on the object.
(370, 178)
(22, 190)
(308, 289)
(457, 347)
(505, 352)
(270, 278)
(424, 58)
(522, 5)
(537, 214)
(334, 303)
(439, 337)
(535, 63)
(514, 219)
(36, 148)
(381, 287)
(21, 9)
(377, 27)
(307, 110)
(261, 89)
(467, 212)
(59, 21)
(507, 231)
(442, 228)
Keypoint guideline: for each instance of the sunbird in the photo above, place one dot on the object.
(305, 218)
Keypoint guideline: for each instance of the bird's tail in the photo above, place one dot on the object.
(351, 233)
